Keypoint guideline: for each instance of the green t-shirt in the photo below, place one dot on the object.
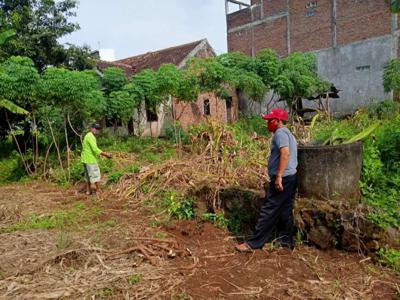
(90, 151)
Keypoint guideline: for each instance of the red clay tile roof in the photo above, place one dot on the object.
(153, 60)
(106, 64)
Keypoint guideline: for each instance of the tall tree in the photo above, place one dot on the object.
(38, 25)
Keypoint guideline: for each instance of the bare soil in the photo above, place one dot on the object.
(122, 254)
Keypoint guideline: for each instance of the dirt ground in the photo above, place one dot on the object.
(124, 252)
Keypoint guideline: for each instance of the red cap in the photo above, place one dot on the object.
(277, 113)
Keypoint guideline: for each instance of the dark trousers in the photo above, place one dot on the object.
(276, 215)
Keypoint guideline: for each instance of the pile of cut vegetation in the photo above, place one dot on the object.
(219, 157)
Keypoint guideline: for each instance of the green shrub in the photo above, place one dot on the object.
(384, 110)
(114, 177)
(218, 219)
(176, 133)
(388, 142)
(11, 168)
(179, 207)
(390, 258)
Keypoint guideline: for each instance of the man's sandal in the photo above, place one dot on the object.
(244, 247)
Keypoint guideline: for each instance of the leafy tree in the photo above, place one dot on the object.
(76, 94)
(299, 79)
(113, 80)
(78, 58)
(38, 25)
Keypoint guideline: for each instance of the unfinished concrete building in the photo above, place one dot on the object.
(352, 40)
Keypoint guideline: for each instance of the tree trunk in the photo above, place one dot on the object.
(57, 148)
(68, 154)
(26, 165)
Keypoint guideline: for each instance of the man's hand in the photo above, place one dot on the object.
(106, 154)
(278, 183)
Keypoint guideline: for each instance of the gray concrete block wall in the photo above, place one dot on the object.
(357, 70)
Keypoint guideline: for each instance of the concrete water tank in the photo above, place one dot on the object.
(330, 172)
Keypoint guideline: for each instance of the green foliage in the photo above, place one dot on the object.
(218, 219)
(74, 217)
(391, 76)
(250, 124)
(6, 36)
(135, 278)
(179, 207)
(76, 93)
(11, 169)
(298, 77)
(390, 258)
(19, 81)
(11, 107)
(38, 25)
(119, 105)
(113, 79)
(384, 110)
(175, 133)
(395, 6)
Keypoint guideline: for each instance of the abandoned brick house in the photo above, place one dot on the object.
(352, 40)
(207, 105)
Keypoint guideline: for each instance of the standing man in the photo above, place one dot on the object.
(89, 155)
(277, 212)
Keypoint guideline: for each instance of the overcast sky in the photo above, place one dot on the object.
(134, 27)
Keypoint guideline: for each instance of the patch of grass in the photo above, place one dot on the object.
(11, 169)
(63, 240)
(390, 258)
(135, 278)
(105, 292)
(218, 219)
(74, 217)
(160, 235)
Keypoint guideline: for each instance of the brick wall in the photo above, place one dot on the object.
(358, 20)
(240, 41)
(273, 7)
(272, 35)
(238, 18)
(311, 28)
(193, 112)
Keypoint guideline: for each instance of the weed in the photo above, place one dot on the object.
(218, 219)
(114, 177)
(135, 279)
(105, 292)
(390, 258)
(63, 240)
(299, 237)
(160, 235)
(75, 216)
(181, 208)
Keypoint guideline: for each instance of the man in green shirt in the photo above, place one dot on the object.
(89, 155)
